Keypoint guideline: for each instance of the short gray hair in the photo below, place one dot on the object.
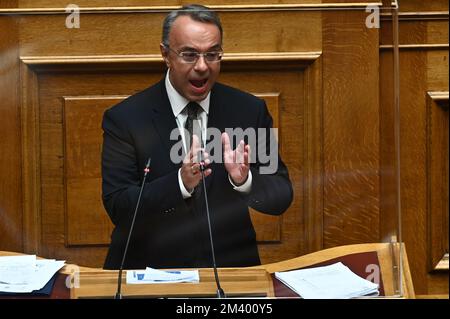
(196, 12)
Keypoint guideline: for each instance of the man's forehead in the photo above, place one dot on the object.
(185, 26)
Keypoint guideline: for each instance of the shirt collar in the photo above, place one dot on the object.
(178, 102)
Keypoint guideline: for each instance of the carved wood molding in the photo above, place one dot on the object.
(156, 58)
(247, 61)
(437, 46)
(437, 179)
(217, 8)
(313, 158)
(31, 180)
(443, 264)
(427, 15)
(438, 95)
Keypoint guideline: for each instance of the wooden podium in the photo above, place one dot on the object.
(236, 282)
(389, 258)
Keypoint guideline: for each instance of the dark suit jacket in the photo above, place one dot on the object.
(169, 230)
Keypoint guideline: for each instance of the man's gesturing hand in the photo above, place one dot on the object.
(190, 170)
(236, 161)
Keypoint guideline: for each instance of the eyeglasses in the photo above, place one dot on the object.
(193, 56)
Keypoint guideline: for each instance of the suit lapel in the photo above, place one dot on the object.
(164, 120)
(216, 118)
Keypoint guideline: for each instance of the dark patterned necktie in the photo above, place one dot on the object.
(192, 110)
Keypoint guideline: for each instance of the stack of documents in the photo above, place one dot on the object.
(24, 274)
(151, 276)
(336, 281)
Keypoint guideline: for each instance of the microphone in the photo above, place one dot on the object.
(119, 281)
(220, 292)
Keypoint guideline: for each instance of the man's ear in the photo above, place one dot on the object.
(164, 53)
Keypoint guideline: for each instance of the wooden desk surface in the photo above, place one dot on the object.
(250, 280)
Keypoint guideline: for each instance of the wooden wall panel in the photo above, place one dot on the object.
(8, 3)
(11, 226)
(416, 210)
(423, 6)
(87, 223)
(423, 68)
(413, 86)
(423, 37)
(351, 130)
(437, 70)
(140, 33)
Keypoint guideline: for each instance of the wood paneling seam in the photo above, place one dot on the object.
(219, 8)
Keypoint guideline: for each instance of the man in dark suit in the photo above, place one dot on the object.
(171, 227)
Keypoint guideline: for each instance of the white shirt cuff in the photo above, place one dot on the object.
(184, 191)
(244, 188)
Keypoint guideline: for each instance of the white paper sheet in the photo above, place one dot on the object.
(25, 273)
(335, 281)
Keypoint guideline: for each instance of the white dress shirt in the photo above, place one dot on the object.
(178, 103)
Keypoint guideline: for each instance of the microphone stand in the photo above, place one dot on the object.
(220, 292)
(119, 280)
